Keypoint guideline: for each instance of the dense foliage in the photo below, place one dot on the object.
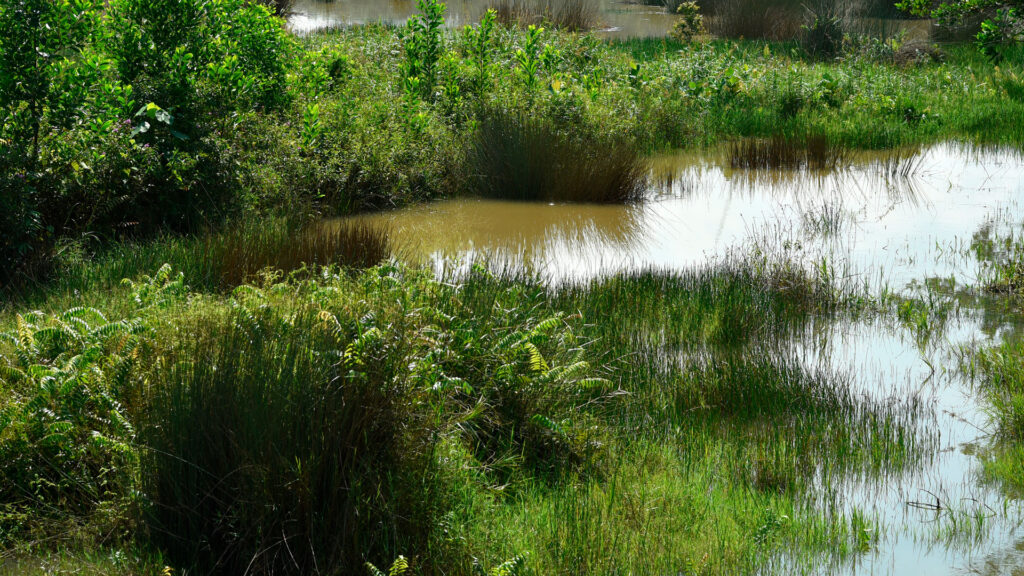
(112, 113)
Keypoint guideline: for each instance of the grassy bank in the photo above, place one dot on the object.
(456, 422)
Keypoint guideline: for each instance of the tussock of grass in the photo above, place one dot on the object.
(571, 15)
(519, 157)
(815, 153)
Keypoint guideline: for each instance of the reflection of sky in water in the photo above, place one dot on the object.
(881, 231)
(888, 364)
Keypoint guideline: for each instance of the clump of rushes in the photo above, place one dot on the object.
(236, 258)
(571, 15)
(224, 260)
(297, 433)
(814, 153)
(519, 157)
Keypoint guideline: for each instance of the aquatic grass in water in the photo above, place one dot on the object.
(519, 157)
(814, 153)
(570, 15)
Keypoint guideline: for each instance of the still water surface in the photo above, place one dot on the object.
(878, 230)
(616, 19)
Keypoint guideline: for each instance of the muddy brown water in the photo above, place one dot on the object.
(615, 19)
(878, 230)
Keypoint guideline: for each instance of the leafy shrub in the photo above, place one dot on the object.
(38, 69)
(191, 56)
(424, 44)
(690, 23)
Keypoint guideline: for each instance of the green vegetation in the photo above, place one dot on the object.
(105, 142)
(446, 420)
(1000, 371)
(198, 374)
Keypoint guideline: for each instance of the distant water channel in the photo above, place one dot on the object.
(616, 19)
(875, 224)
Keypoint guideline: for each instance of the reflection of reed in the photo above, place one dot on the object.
(896, 174)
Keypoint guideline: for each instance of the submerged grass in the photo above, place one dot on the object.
(1000, 374)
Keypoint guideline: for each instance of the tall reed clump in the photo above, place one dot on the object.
(296, 432)
(236, 258)
(822, 36)
(226, 259)
(814, 153)
(278, 448)
(778, 19)
(772, 20)
(571, 15)
(517, 157)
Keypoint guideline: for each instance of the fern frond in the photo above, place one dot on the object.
(512, 567)
(399, 567)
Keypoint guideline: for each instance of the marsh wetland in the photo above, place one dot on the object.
(511, 288)
(897, 228)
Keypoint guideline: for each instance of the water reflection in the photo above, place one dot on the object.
(617, 19)
(888, 230)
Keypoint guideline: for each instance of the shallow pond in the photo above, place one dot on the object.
(616, 19)
(902, 224)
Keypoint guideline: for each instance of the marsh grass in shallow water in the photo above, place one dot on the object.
(781, 153)
(571, 15)
(518, 157)
(240, 256)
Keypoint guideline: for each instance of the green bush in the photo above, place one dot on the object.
(690, 23)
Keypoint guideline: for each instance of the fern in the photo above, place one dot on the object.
(512, 567)
(400, 567)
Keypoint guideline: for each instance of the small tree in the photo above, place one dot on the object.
(40, 40)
